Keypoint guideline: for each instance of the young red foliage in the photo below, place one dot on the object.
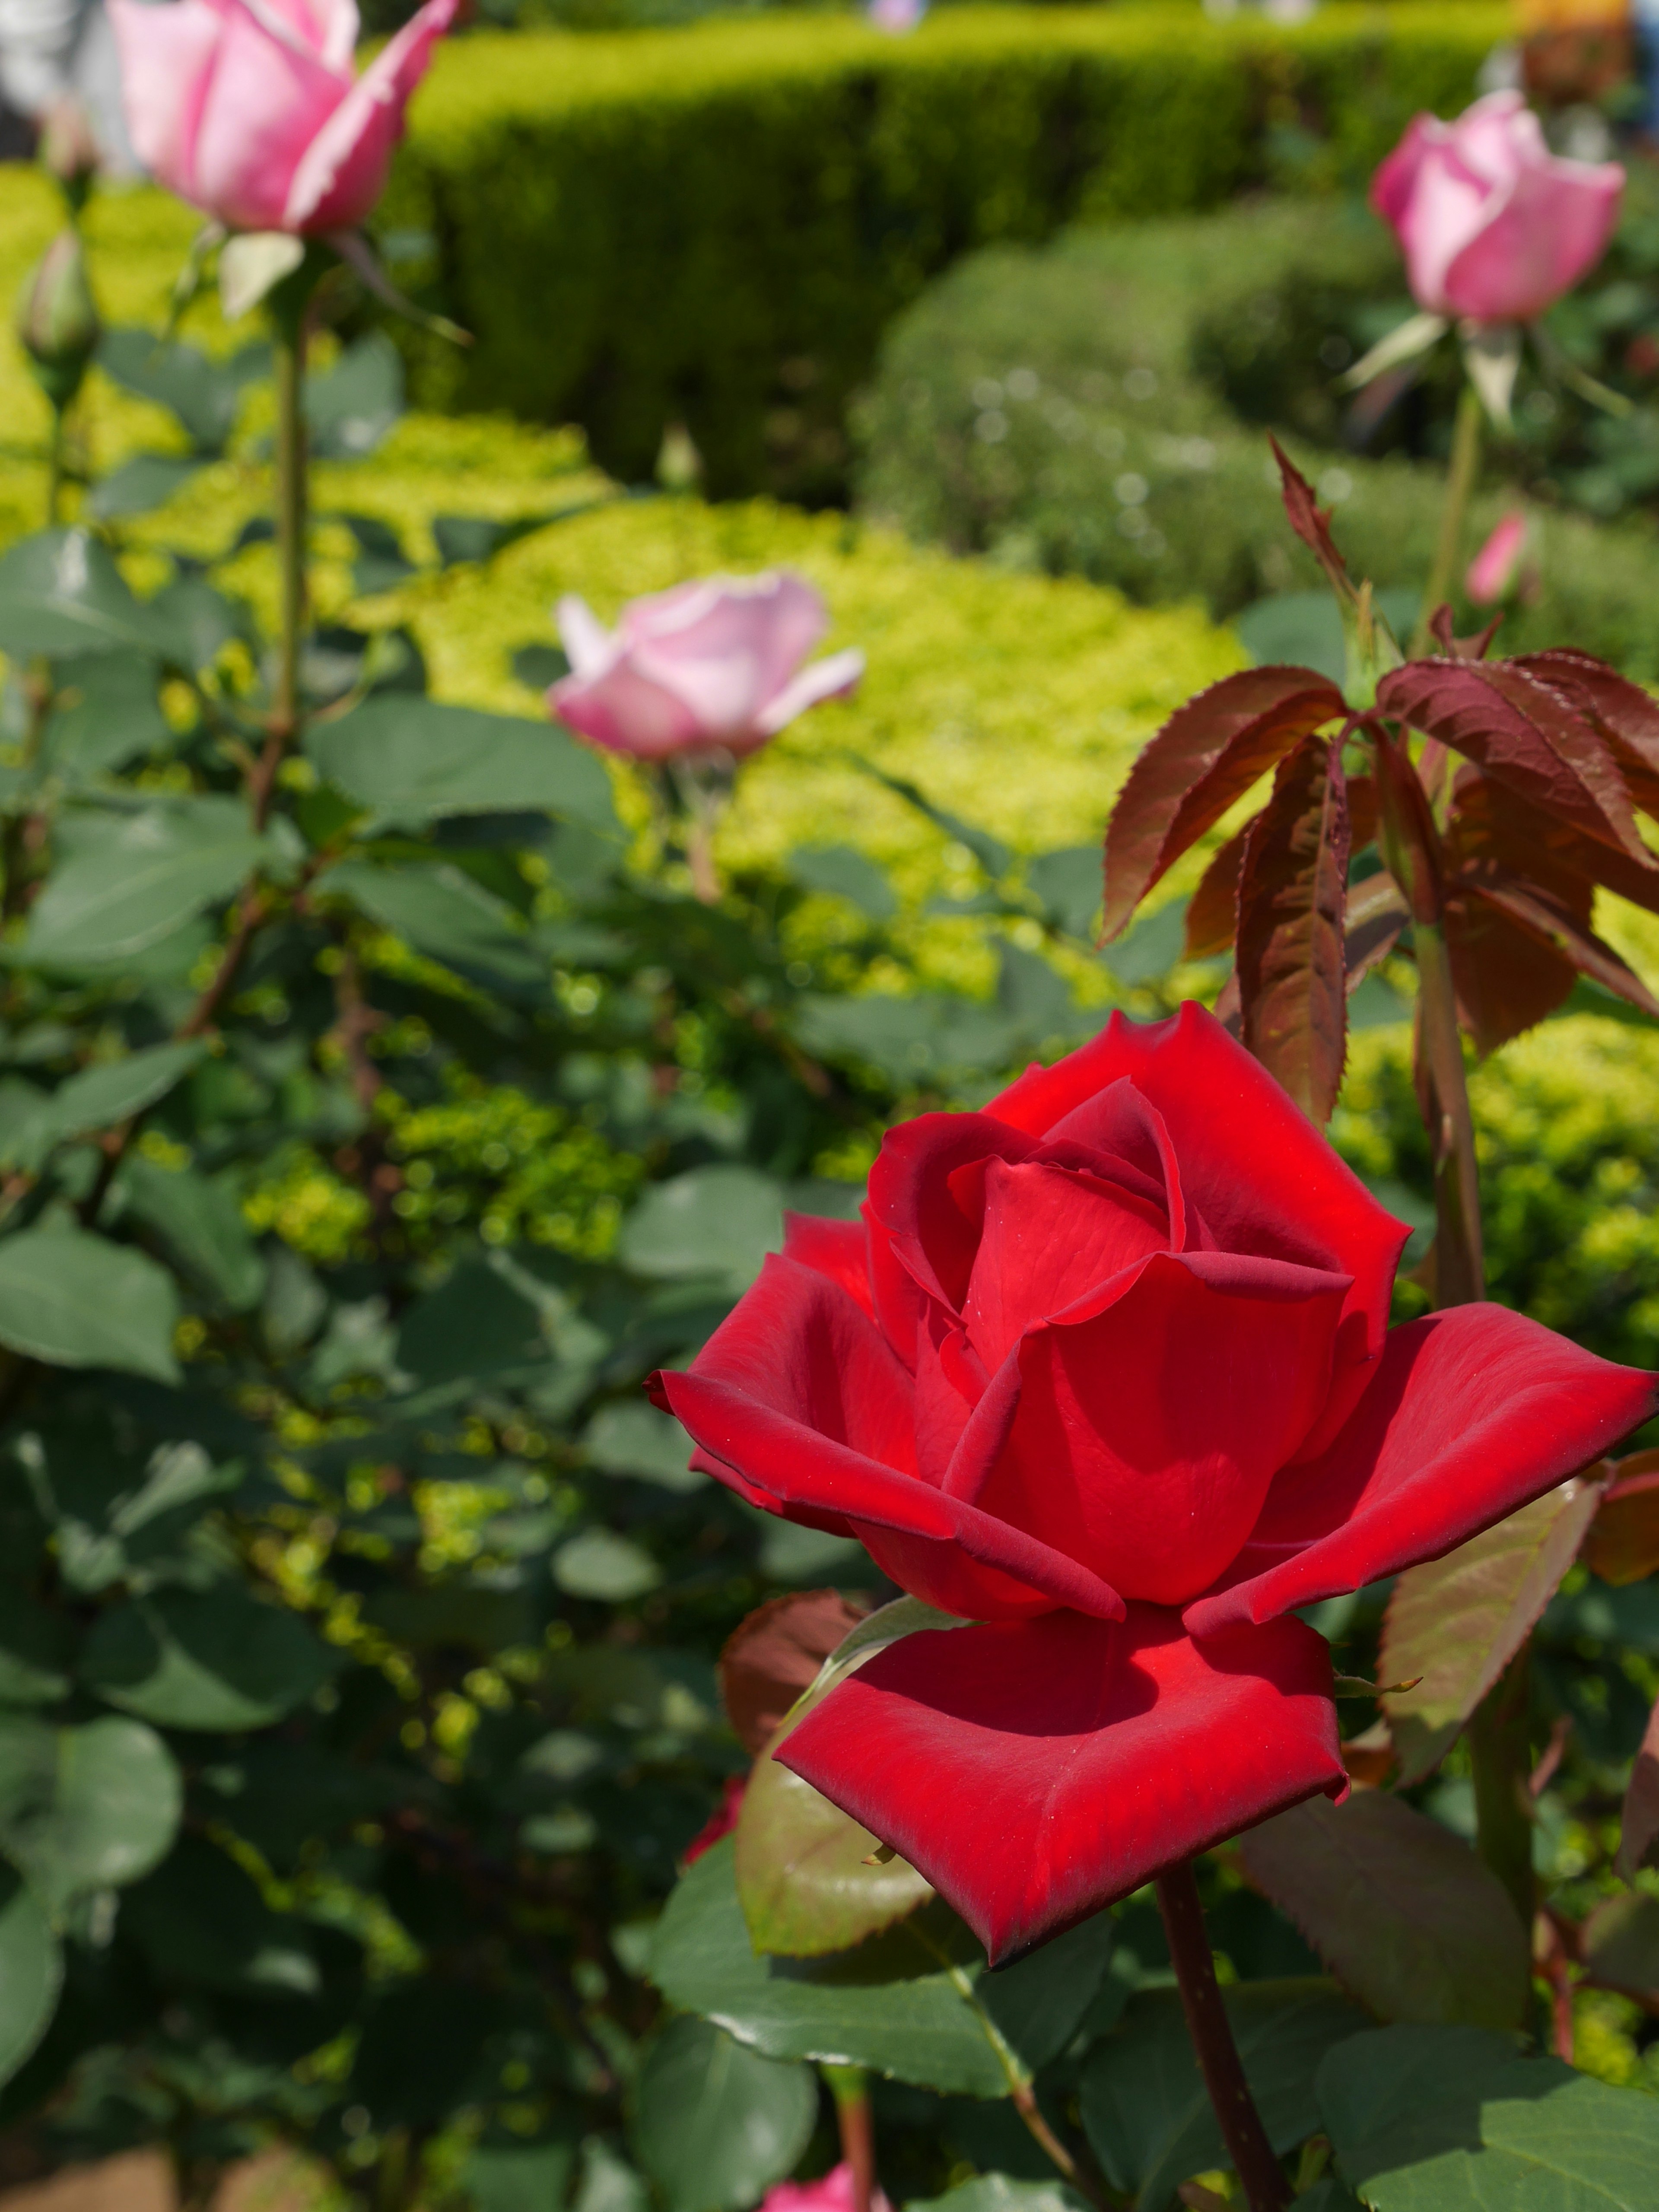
(1292, 965)
(1623, 1544)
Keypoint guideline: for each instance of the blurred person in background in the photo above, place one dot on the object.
(58, 60)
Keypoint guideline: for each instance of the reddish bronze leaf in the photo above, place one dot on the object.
(1376, 918)
(1291, 897)
(1522, 732)
(1508, 977)
(775, 1653)
(1400, 1909)
(1555, 924)
(1638, 1845)
(1207, 755)
(1623, 1544)
(1624, 714)
(1618, 1946)
(1212, 910)
(1455, 1623)
(1491, 828)
(1311, 522)
(1362, 813)
(1474, 647)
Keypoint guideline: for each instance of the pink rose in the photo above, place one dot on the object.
(250, 109)
(834, 2193)
(1495, 571)
(898, 16)
(714, 666)
(1493, 226)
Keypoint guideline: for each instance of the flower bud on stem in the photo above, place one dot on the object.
(1248, 2146)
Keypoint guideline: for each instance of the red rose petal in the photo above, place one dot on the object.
(1253, 1167)
(838, 1249)
(1147, 1436)
(1036, 1770)
(1473, 1413)
(1051, 1235)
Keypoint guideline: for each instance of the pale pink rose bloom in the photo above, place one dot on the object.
(1496, 568)
(714, 666)
(1493, 226)
(833, 2194)
(251, 111)
(897, 15)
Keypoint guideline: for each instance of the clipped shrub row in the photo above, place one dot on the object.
(1077, 408)
(716, 225)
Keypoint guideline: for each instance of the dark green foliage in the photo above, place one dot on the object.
(1084, 407)
(715, 227)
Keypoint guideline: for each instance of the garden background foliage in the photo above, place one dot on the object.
(357, 1695)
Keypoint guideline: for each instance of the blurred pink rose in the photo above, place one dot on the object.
(897, 15)
(250, 109)
(714, 666)
(1493, 226)
(833, 2194)
(1495, 571)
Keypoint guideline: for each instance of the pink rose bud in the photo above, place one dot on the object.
(834, 2193)
(714, 666)
(1496, 568)
(58, 318)
(250, 109)
(1492, 225)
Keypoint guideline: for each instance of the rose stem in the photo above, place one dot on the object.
(851, 2090)
(1498, 1740)
(290, 349)
(1251, 2152)
(1460, 484)
(55, 471)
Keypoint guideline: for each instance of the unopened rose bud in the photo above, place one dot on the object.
(679, 465)
(68, 150)
(57, 319)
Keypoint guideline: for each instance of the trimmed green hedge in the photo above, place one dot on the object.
(716, 224)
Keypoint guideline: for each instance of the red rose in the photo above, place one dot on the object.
(1106, 1368)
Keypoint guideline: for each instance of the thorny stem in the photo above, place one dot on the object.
(851, 2090)
(1248, 2146)
(1464, 466)
(1409, 842)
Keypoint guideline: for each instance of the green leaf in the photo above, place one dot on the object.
(31, 1972)
(1453, 2119)
(127, 881)
(85, 1808)
(1459, 1620)
(202, 392)
(79, 1301)
(715, 2124)
(1618, 1945)
(510, 2177)
(410, 760)
(1039, 2003)
(217, 1659)
(138, 486)
(36, 1653)
(474, 1323)
(1396, 1906)
(633, 1438)
(60, 594)
(201, 1920)
(113, 1091)
(996, 2192)
(992, 855)
(201, 1227)
(443, 913)
(845, 872)
(599, 1565)
(481, 536)
(106, 712)
(352, 407)
(1144, 2103)
(893, 2004)
(801, 1871)
(714, 1221)
(381, 563)
(1067, 886)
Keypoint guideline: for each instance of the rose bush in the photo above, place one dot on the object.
(1105, 1368)
(714, 666)
(250, 110)
(1492, 225)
